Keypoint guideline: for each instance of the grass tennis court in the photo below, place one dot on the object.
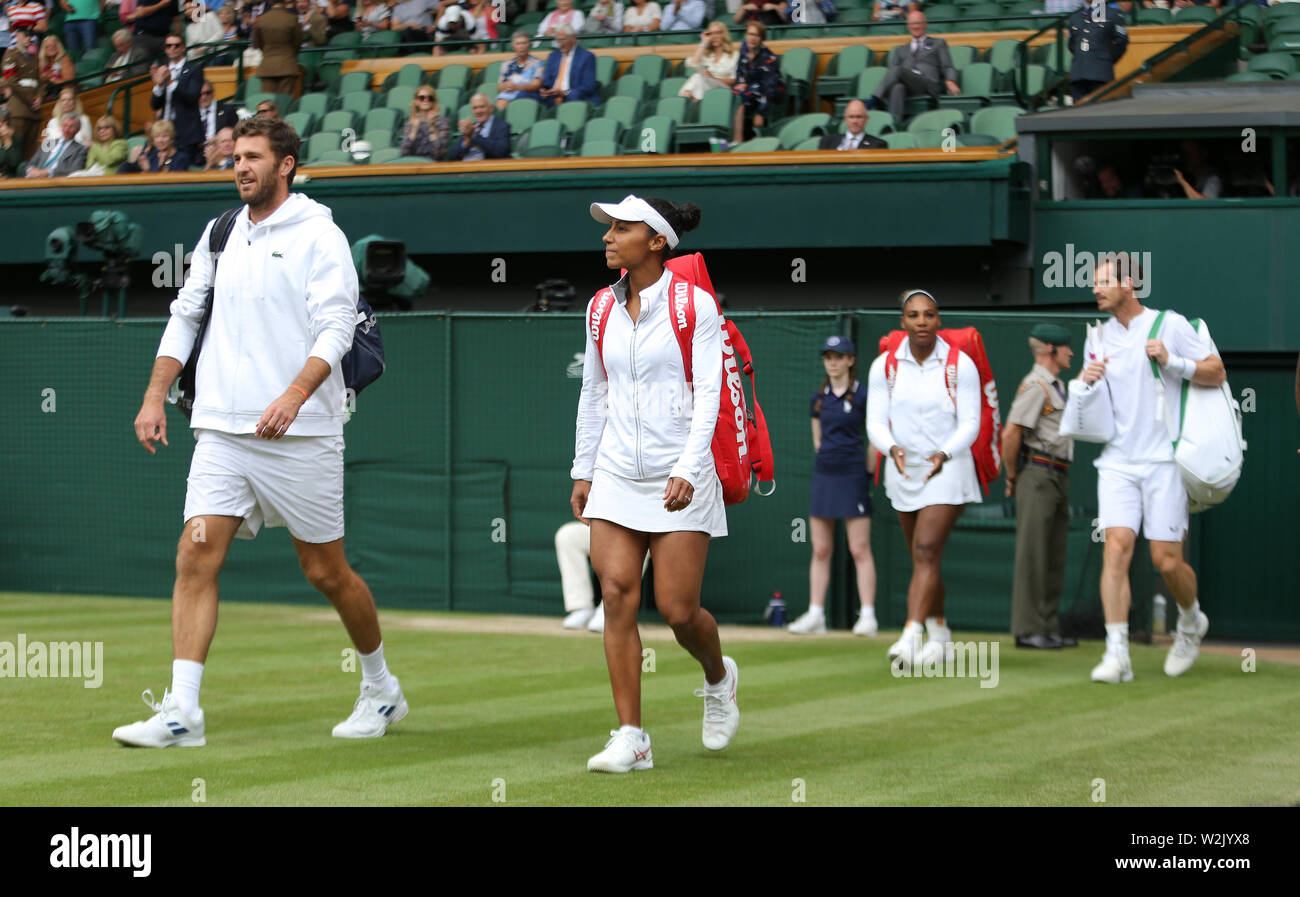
(530, 707)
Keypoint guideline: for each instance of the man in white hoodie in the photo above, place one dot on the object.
(268, 419)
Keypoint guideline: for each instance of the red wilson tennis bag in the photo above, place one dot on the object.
(986, 450)
(742, 448)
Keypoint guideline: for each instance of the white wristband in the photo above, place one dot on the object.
(1183, 367)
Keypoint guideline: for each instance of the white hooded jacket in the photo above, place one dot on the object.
(637, 418)
(286, 289)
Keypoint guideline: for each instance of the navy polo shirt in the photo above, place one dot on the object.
(843, 418)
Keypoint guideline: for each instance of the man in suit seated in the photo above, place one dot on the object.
(214, 116)
(485, 136)
(125, 54)
(915, 69)
(64, 157)
(855, 135)
(570, 72)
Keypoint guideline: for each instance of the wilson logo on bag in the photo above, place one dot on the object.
(986, 450)
(742, 447)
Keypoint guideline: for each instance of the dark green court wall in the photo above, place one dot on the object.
(458, 475)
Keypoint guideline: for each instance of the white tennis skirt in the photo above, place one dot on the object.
(639, 505)
(956, 484)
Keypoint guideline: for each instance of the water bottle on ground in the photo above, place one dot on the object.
(775, 613)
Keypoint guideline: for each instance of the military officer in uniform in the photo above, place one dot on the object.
(1037, 462)
(1098, 39)
(20, 87)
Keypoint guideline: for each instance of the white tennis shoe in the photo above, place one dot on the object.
(628, 748)
(1114, 668)
(1186, 647)
(866, 624)
(374, 711)
(721, 712)
(579, 618)
(168, 727)
(907, 650)
(810, 623)
(597, 621)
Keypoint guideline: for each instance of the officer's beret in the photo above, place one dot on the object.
(1052, 334)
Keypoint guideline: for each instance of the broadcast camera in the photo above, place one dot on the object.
(109, 233)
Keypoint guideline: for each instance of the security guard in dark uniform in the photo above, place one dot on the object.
(1037, 462)
(1098, 39)
(20, 86)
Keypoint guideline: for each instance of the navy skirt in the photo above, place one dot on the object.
(841, 492)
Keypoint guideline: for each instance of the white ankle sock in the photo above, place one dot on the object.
(913, 629)
(867, 610)
(1117, 637)
(1187, 616)
(819, 611)
(634, 731)
(937, 630)
(187, 676)
(373, 669)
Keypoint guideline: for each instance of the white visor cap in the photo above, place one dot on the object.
(634, 208)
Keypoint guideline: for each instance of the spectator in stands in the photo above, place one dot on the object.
(522, 75)
(1097, 39)
(916, 69)
(29, 14)
(11, 151)
(855, 136)
(413, 20)
(314, 25)
(175, 97)
(127, 58)
(68, 103)
(713, 62)
(159, 154)
(885, 10)
(453, 22)
(267, 109)
(758, 83)
(21, 88)
(219, 151)
(109, 148)
(81, 25)
(485, 25)
(214, 116)
(484, 136)
(56, 65)
(642, 16)
(570, 72)
(563, 14)
(338, 16)
(278, 35)
(1112, 185)
(372, 16)
(606, 17)
(63, 156)
(152, 24)
(231, 31)
(683, 15)
(1061, 7)
(762, 11)
(200, 28)
(1205, 183)
(427, 131)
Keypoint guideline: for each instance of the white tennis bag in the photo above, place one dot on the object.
(1089, 415)
(1208, 444)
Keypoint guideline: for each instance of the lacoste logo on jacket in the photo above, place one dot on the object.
(277, 254)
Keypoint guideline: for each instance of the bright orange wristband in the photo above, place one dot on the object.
(300, 389)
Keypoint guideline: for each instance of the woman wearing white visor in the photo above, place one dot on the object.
(930, 475)
(643, 467)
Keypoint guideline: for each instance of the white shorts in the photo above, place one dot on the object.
(296, 481)
(1151, 495)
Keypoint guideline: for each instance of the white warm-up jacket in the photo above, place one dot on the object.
(918, 414)
(637, 418)
(286, 289)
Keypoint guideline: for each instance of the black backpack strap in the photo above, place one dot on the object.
(221, 230)
(217, 239)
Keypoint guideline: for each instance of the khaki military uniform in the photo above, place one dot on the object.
(1042, 504)
(20, 73)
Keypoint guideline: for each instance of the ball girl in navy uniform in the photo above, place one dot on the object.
(841, 489)
(643, 469)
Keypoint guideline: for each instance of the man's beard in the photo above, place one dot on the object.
(263, 191)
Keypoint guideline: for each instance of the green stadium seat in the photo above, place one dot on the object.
(378, 139)
(488, 79)
(358, 102)
(573, 115)
(413, 159)
(1153, 16)
(384, 156)
(757, 145)
(1034, 83)
(454, 76)
(400, 98)
(1047, 55)
(996, 121)
(802, 127)
(334, 157)
(314, 104)
(322, 142)
(338, 120)
(600, 148)
(937, 120)
(1285, 43)
(651, 67)
(353, 81)
(301, 122)
(657, 134)
(450, 97)
(521, 113)
(606, 69)
(137, 140)
(409, 75)
(930, 139)
(878, 123)
(625, 109)
(1249, 76)
(1275, 65)
(630, 86)
(977, 140)
(1002, 56)
(252, 85)
(380, 44)
(529, 21)
(383, 119)
(602, 130)
(676, 108)
(899, 140)
(869, 79)
(798, 69)
(714, 118)
(962, 55)
(465, 112)
(842, 71)
(976, 89)
(1195, 14)
(544, 139)
(941, 11)
(670, 87)
(811, 143)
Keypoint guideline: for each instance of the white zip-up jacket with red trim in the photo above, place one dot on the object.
(637, 418)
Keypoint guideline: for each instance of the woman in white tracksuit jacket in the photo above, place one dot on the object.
(930, 476)
(643, 468)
